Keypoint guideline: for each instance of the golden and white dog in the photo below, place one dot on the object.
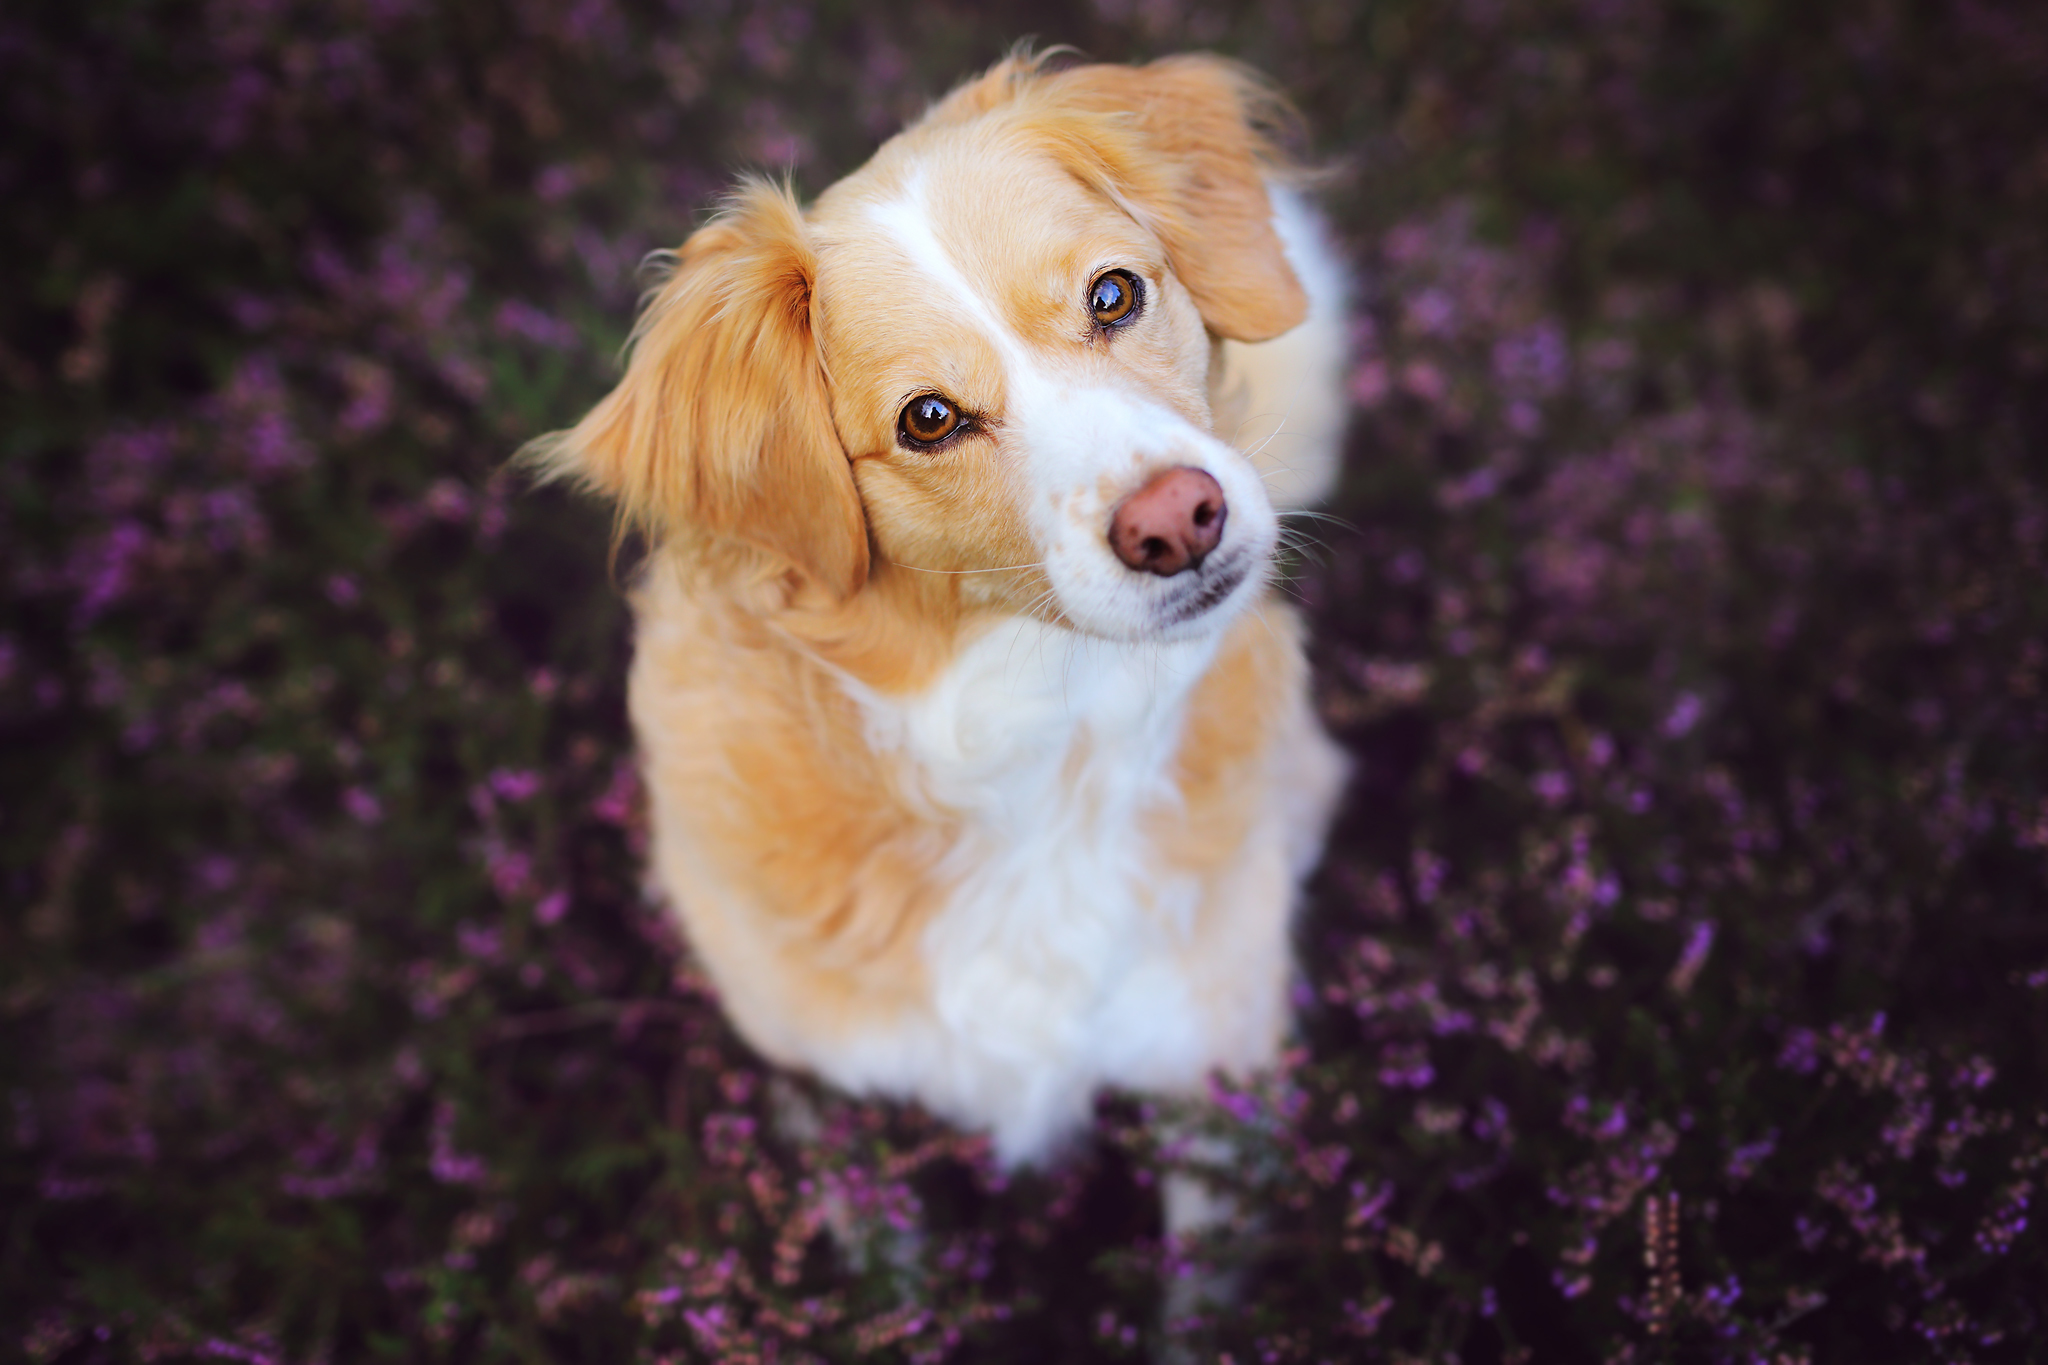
(981, 761)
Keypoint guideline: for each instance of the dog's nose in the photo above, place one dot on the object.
(1170, 524)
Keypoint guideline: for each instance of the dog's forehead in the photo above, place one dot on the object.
(967, 231)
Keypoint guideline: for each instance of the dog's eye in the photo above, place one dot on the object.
(928, 420)
(1114, 297)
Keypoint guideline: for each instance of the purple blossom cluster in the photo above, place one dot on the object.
(1674, 984)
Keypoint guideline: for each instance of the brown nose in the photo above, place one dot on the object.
(1170, 524)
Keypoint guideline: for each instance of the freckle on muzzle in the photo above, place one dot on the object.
(1171, 524)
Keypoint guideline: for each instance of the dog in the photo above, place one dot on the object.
(981, 762)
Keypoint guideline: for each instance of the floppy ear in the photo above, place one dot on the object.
(722, 428)
(1197, 179)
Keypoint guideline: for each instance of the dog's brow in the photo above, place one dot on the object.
(906, 220)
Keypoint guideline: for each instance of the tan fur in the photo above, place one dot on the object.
(804, 556)
(790, 812)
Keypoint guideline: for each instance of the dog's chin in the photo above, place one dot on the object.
(1204, 604)
(1186, 607)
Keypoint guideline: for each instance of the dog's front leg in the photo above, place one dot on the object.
(865, 1238)
(1194, 1207)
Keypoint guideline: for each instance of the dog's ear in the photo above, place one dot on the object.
(721, 429)
(1195, 173)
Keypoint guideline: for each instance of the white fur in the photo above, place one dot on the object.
(1288, 393)
(1074, 430)
(1060, 962)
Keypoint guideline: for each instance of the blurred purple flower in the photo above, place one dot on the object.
(484, 942)
(370, 390)
(362, 805)
(554, 183)
(1684, 714)
(519, 320)
(449, 1166)
(1743, 1161)
(1535, 363)
(1405, 1066)
(514, 785)
(105, 570)
(2006, 1221)
(1370, 383)
(1692, 958)
(510, 869)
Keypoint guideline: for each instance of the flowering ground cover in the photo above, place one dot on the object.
(1677, 984)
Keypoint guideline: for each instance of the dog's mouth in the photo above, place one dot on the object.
(1214, 582)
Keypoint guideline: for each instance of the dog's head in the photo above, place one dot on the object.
(982, 358)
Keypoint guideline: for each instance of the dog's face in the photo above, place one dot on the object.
(984, 357)
(1013, 359)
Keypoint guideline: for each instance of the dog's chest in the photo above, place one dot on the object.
(1051, 754)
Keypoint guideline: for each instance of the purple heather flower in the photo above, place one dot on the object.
(362, 805)
(1698, 944)
(1406, 1065)
(514, 785)
(1743, 1161)
(448, 1165)
(522, 321)
(1684, 714)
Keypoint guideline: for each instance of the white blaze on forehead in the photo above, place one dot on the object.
(1068, 433)
(1072, 429)
(907, 221)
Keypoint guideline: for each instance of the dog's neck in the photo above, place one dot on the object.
(1024, 707)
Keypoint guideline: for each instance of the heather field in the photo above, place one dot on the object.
(1676, 987)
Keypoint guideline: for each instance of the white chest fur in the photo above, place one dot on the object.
(1052, 963)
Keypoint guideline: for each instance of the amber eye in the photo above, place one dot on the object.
(929, 419)
(1114, 297)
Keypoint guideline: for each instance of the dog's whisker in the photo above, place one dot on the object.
(1039, 605)
(1035, 609)
(1265, 623)
(1253, 451)
(1293, 592)
(1000, 568)
(1306, 514)
(1302, 538)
